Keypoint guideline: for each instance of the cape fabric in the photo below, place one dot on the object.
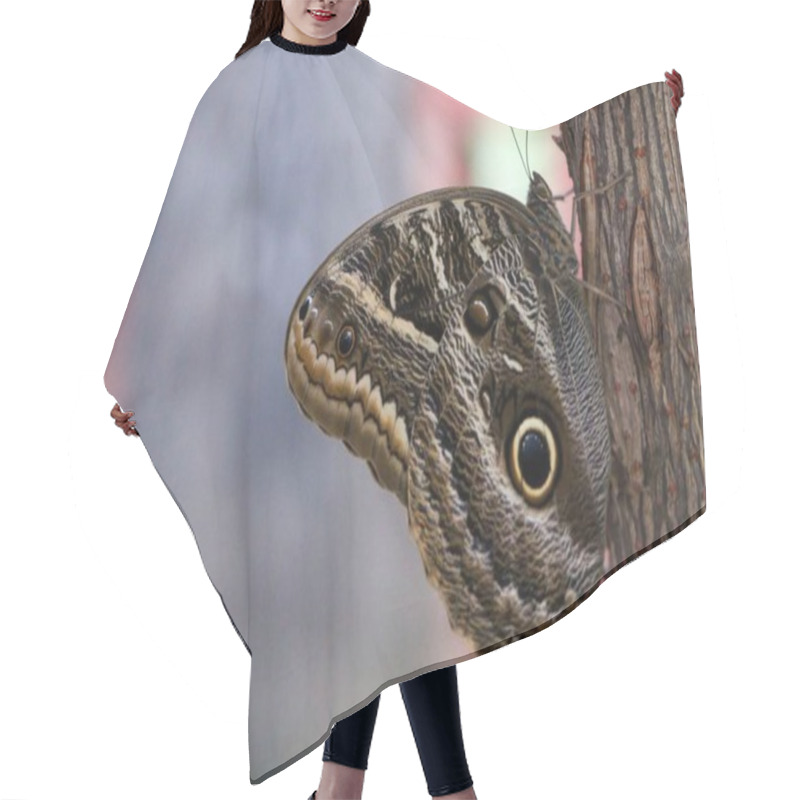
(290, 150)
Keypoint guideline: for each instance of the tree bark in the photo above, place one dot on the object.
(635, 247)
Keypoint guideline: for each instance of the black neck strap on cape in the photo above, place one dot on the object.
(310, 49)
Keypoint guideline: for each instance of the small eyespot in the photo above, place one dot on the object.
(533, 460)
(346, 340)
(481, 313)
(304, 308)
(478, 315)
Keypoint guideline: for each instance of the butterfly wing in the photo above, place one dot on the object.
(446, 343)
(509, 452)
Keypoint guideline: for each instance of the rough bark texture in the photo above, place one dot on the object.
(635, 247)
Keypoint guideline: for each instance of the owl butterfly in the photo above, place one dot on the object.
(446, 341)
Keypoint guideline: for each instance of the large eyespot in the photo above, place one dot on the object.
(304, 308)
(533, 460)
(346, 340)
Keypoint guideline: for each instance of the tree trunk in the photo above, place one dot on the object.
(635, 247)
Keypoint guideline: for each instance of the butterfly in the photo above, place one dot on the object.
(446, 341)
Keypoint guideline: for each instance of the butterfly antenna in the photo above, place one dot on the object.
(527, 163)
(523, 159)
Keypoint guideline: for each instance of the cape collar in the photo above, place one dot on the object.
(310, 49)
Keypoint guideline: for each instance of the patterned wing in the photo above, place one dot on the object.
(446, 342)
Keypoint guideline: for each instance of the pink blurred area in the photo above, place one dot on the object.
(447, 127)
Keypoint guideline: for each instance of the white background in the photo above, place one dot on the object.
(120, 673)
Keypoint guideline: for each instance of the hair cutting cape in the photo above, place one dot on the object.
(541, 383)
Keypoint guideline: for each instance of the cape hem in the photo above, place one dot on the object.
(451, 661)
